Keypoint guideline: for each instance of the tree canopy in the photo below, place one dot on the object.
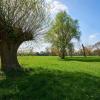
(63, 30)
(19, 17)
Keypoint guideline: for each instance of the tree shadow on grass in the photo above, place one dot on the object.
(83, 59)
(44, 84)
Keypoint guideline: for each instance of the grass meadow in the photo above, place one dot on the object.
(50, 78)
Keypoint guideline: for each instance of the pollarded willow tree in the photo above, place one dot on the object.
(20, 20)
(63, 30)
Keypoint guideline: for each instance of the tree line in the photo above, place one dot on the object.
(91, 50)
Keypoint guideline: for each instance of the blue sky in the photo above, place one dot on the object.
(87, 12)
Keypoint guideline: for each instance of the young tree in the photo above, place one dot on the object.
(20, 20)
(63, 30)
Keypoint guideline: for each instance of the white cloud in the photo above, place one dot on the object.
(92, 36)
(56, 6)
(49, 1)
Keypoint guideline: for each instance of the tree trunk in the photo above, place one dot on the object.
(62, 52)
(84, 51)
(71, 54)
(9, 56)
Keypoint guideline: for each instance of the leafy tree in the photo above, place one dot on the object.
(63, 30)
(20, 20)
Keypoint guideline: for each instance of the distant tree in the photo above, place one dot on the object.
(54, 51)
(71, 49)
(84, 50)
(89, 50)
(31, 51)
(79, 52)
(47, 51)
(63, 30)
(96, 47)
(20, 20)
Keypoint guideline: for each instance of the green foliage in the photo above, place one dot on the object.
(70, 49)
(54, 79)
(63, 30)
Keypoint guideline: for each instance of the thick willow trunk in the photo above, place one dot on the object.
(9, 56)
(9, 47)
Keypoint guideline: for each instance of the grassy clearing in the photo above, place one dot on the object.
(89, 65)
(76, 78)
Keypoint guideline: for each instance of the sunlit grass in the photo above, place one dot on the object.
(90, 65)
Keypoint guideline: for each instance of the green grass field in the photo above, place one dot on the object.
(51, 78)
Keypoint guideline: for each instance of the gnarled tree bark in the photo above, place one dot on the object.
(9, 56)
(9, 49)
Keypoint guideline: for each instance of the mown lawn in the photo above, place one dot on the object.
(51, 78)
